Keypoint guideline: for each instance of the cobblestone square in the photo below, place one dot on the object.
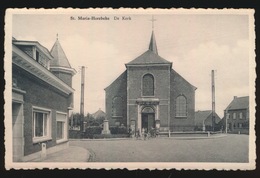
(231, 148)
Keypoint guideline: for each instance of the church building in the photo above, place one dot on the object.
(151, 94)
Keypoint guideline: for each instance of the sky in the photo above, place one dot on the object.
(194, 43)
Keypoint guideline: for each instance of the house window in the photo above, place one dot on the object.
(117, 106)
(37, 56)
(148, 85)
(41, 124)
(228, 116)
(61, 127)
(241, 115)
(181, 106)
(60, 130)
(234, 115)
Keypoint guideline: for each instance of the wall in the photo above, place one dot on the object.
(180, 86)
(168, 85)
(40, 94)
(65, 77)
(235, 122)
(161, 76)
(117, 88)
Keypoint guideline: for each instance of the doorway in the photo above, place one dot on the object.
(148, 121)
(17, 129)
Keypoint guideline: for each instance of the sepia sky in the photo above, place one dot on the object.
(194, 43)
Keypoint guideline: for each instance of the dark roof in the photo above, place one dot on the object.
(149, 57)
(121, 77)
(60, 58)
(99, 114)
(239, 103)
(201, 116)
(33, 43)
(176, 73)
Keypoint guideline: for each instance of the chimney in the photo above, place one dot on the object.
(235, 97)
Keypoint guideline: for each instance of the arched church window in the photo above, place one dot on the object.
(148, 85)
(117, 106)
(181, 106)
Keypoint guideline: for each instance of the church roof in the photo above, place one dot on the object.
(119, 79)
(176, 73)
(150, 56)
(239, 103)
(60, 58)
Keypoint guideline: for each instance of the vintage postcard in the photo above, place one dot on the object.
(130, 88)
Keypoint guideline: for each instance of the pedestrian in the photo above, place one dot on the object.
(142, 135)
(137, 134)
(157, 132)
(130, 132)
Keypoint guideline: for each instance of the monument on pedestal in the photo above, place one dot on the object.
(105, 127)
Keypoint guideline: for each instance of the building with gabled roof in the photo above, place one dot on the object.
(203, 120)
(42, 100)
(149, 94)
(237, 114)
(99, 114)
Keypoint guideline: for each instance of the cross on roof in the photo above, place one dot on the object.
(153, 22)
(57, 36)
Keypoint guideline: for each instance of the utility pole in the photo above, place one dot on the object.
(82, 95)
(82, 90)
(213, 100)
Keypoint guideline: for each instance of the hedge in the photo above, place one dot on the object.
(118, 130)
(95, 132)
(76, 134)
(91, 131)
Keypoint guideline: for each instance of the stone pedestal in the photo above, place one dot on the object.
(105, 127)
(44, 151)
(157, 124)
(132, 128)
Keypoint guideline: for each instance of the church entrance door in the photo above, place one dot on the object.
(148, 121)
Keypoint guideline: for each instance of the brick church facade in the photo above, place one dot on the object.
(150, 94)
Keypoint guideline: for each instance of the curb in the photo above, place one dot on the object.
(172, 137)
(193, 138)
(100, 139)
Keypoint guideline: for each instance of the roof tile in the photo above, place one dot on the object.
(239, 103)
(149, 57)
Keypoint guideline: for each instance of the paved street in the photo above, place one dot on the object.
(71, 154)
(232, 148)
